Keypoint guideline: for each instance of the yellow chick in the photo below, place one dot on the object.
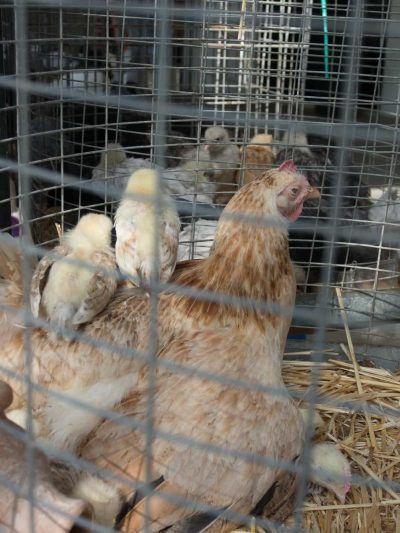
(330, 469)
(75, 282)
(137, 226)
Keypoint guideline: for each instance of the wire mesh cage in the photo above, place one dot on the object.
(153, 392)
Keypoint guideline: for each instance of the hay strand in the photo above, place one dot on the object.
(369, 506)
(354, 361)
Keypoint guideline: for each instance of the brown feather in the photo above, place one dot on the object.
(248, 261)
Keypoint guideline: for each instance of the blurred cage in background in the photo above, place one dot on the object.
(216, 64)
(328, 71)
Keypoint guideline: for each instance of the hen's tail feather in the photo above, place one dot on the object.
(10, 259)
(163, 513)
(11, 292)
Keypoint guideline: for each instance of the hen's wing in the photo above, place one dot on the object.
(101, 288)
(39, 278)
(126, 247)
(169, 249)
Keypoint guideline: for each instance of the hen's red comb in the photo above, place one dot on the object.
(288, 166)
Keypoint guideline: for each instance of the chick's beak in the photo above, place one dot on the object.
(340, 493)
(312, 192)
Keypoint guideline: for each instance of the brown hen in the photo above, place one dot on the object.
(249, 260)
(228, 342)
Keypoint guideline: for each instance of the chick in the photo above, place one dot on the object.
(258, 156)
(316, 419)
(330, 469)
(76, 281)
(112, 157)
(225, 159)
(136, 229)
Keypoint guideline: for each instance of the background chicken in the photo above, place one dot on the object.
(75, 282)
(386, 208)
(138, 228)
(225, 159)
(258, 157)
(320, 165)
(185, 180)
(180, 149)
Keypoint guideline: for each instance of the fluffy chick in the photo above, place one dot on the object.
(224, 158)
(112, 157)
(330, 469)
(258, 156)
(136, 225)
(316, 420)
(75, 282)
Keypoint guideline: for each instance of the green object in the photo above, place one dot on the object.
(326, 38)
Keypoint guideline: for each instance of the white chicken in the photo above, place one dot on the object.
(330, 469)
(224, 155)
(386, 208)
(73, 283)
(136, 226)
(200, 241)
(188, 179)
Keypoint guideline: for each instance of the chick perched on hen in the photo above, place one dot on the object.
(77, 280)
(140, 229)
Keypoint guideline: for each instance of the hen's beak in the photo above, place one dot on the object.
(312, 192)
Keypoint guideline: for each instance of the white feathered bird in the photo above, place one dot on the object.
(200, 239)
(73, 283)
(386, 208)
(137, 227)
(330, 469)
(185, 180)
(224, 155)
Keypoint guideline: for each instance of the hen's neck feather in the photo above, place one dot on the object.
(248, 261)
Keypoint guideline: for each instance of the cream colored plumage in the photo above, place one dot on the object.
(330, 469)
(77, 280)
(51, 511)
(248, 261)
(138, 227)
(225, 159)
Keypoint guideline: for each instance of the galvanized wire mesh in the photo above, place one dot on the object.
(152, 76)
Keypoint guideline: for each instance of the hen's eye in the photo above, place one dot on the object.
(294, 191)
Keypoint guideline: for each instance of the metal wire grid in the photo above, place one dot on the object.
(245, 112)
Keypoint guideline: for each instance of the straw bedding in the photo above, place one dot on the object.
(370, 441)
